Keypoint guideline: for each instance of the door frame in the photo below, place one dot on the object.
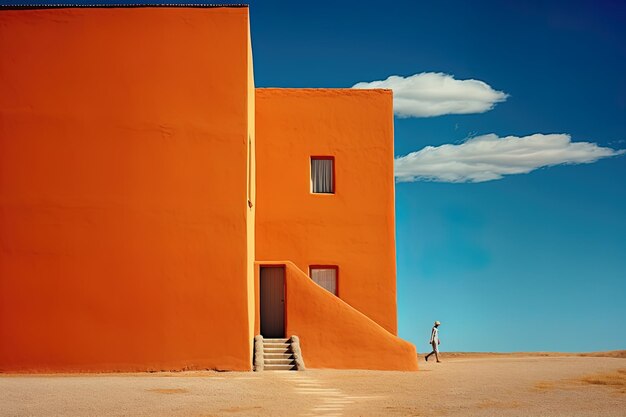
(258, 295)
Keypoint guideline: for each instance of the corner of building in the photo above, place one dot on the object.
(251, 198)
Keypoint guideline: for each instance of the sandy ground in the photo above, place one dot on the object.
(462, 385)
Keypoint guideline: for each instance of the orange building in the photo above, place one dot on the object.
(157, 212)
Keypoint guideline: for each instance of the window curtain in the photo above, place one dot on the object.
(325, 278)
(322, 176)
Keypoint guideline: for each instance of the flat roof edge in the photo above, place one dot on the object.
(333, 91)
(113, 5)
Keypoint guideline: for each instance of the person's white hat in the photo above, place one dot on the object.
(437, 323)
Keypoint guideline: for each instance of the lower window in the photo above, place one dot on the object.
(325, 277)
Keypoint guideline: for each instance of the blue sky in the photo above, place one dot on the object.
(529, 262)
(532, 261)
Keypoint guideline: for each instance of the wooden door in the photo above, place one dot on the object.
(272, 301)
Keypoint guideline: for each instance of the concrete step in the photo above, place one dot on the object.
(278, 362)
(275, 344)
(278, 355)
(286, 349)
(279, 367)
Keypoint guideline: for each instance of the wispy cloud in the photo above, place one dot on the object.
(489, 157)
(434, 94)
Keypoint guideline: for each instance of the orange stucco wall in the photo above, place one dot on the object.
(335, 335)
(353, 228)
(123, 189)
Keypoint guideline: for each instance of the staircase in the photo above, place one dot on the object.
(278, 355)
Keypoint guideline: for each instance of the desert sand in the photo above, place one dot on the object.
(546, 384)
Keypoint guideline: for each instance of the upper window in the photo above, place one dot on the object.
(325, 277)
(322, 174)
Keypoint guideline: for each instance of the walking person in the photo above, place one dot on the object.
(434, 341)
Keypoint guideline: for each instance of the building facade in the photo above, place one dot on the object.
(157, 211)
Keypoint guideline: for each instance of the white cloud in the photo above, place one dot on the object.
(489, 157)
(435, 93)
